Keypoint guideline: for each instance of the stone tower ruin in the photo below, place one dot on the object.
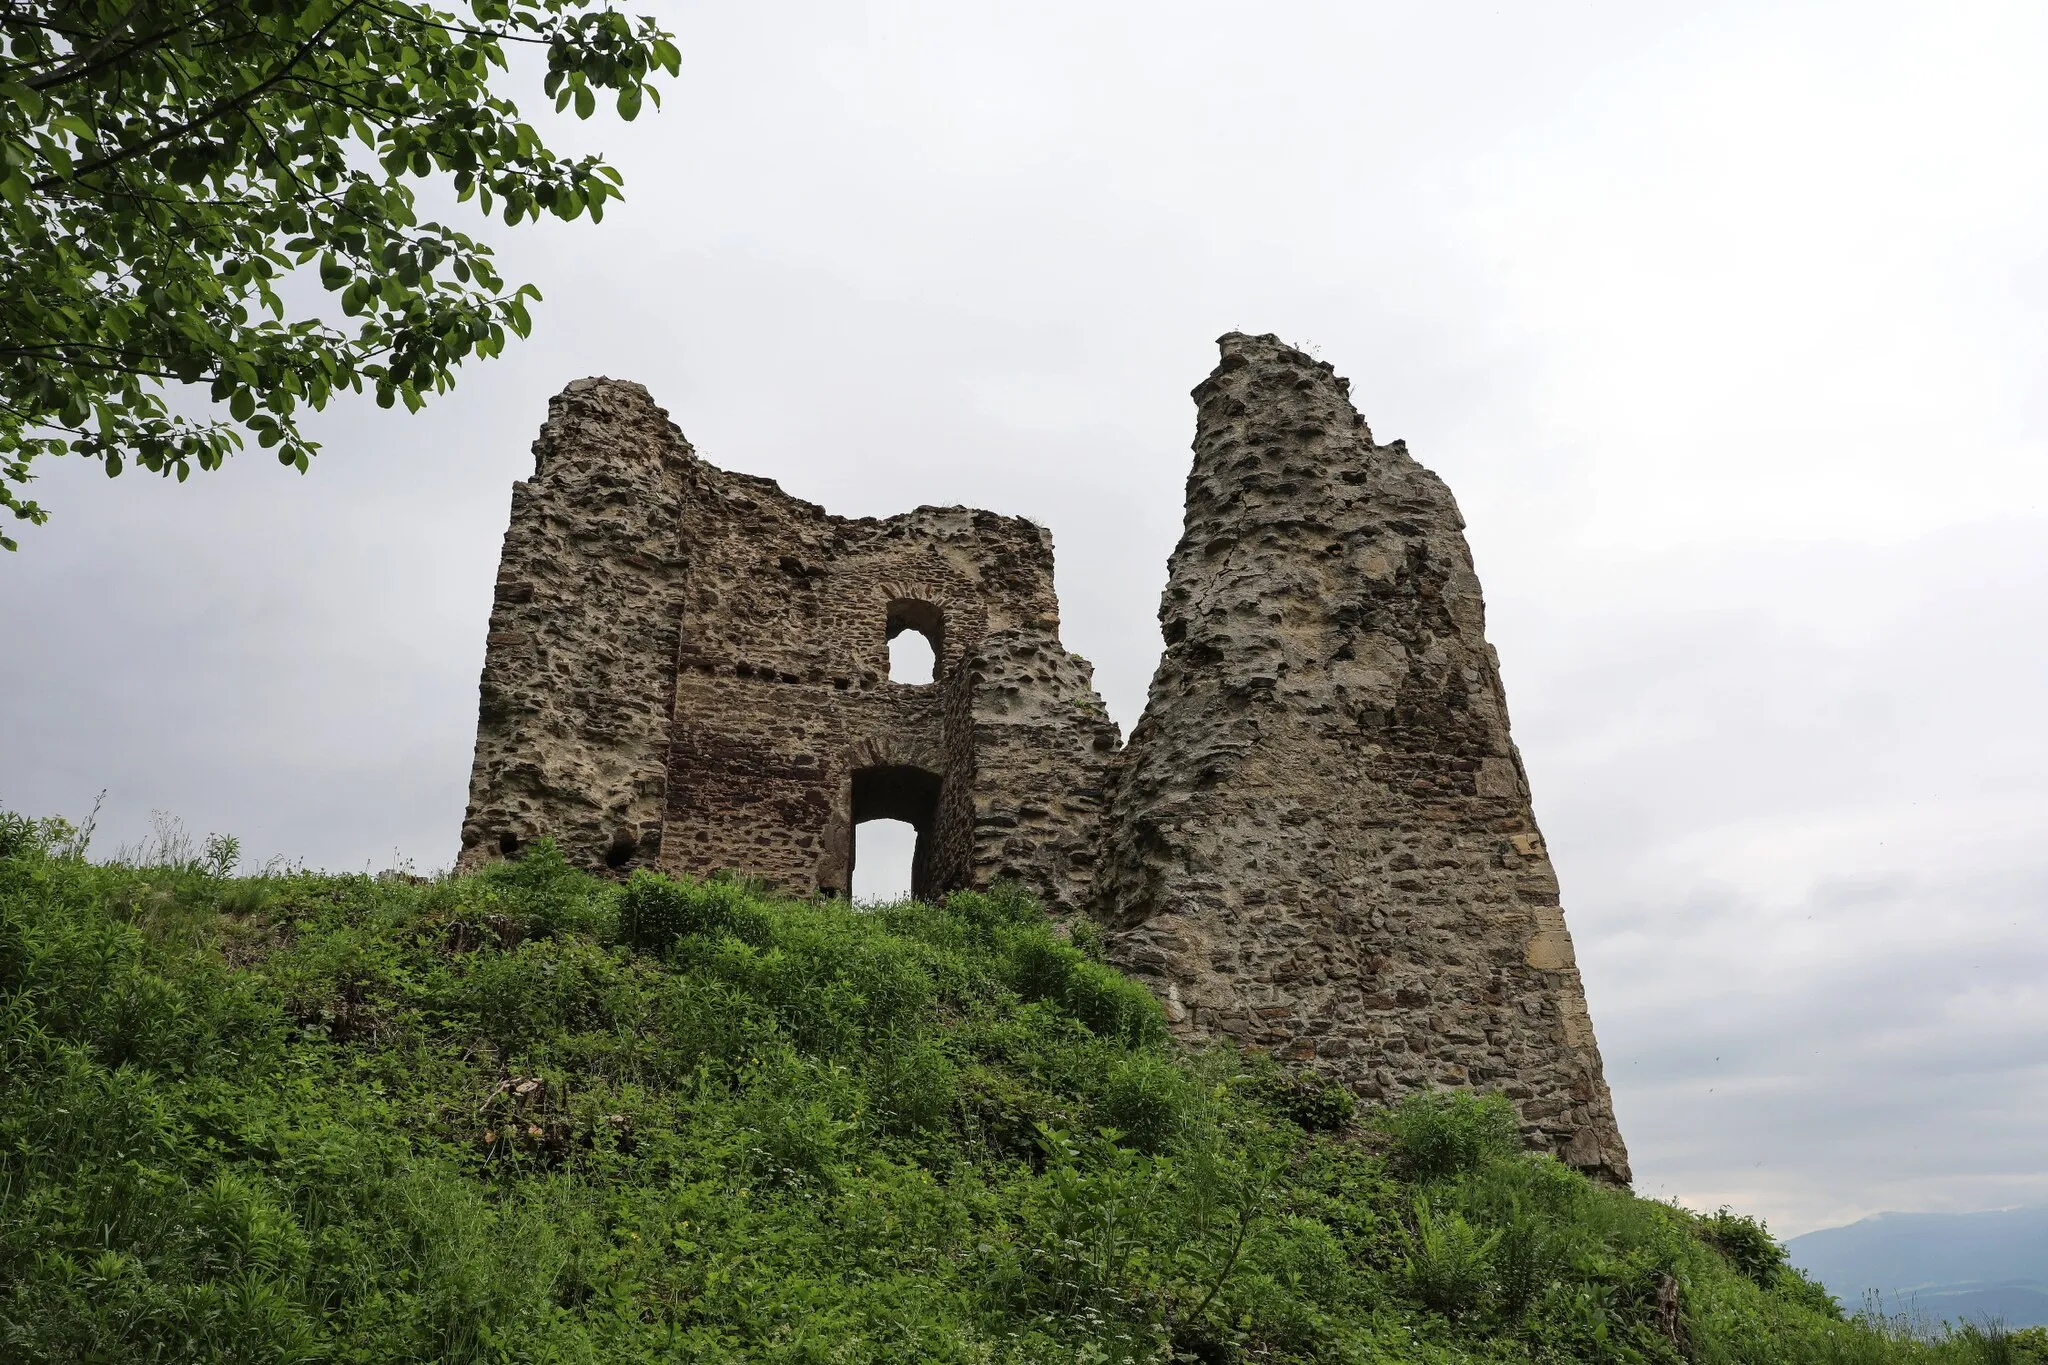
(1318, 842)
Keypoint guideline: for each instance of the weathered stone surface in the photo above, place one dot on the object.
(691, 671)
(1322, 842)
(1318, 842)
(1043, 747)
(573, 722)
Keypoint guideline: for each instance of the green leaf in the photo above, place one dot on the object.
(170, 253)
(27, 100)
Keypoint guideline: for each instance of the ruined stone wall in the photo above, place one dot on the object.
(1319, 841)
(1044, 748)
(573, 718)
(698, 658)
(782, 687)
(1322, 842)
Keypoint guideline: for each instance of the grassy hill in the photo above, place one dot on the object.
(531, 1116)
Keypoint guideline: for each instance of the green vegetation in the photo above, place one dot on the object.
(167, 165)
(531, 1116)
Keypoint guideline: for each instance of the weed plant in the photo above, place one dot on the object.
(531, 1116)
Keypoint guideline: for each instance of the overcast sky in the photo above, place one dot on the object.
(1726, 323)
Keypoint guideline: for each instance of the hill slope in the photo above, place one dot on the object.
(530, 1116)
(1943, 1265)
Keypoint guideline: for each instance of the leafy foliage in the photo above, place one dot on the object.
(166, 166)
(1448, 1260)
(655, 913)
(1746, 1243)
(1442, 1135)
(530, 1116)
(2028, 1346)
(1307, 1100)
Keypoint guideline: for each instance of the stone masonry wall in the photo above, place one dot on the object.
(573, 719)
(1322, 843)
(1044, 750)
(782, 683)
(1319, 841)
(693, 658)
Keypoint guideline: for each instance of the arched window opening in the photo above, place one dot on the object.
(894, 807)
(911, 659)
(916, 632)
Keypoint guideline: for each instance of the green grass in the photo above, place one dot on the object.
(531, 1116)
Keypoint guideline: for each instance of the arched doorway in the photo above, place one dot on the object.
(899, 791)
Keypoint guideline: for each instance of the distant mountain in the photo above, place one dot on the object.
(1953, 1266)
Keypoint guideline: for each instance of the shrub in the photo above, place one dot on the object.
(1002, 904)
(914, 1086)
(244, 897)
(1305, 1100)
(221, 854)
(19, 835)
(1442, 1134)
(1526, 1260)
(1109, 1003)
(1747, 1244)
(1798, 1287)
(792, 1123)
(1113, 1005)
(1039, 963)
(552, 897)
(1088, 939)
(51, 837)
(1147, 1100)
(1447, 1263)
(655, 911)
(700, 1023)
(2028, 1345)
(545, 988)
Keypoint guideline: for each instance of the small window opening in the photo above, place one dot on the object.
(883, 850)
(910, 658)
(916, 632)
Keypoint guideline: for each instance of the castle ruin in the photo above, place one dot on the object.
(1318, 840)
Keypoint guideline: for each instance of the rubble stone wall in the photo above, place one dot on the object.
(1045, 749)
(1319, 841)
(705, 665)
(1322, 843)
(574, 708)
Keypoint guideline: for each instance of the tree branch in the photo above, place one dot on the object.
(495, 34)
(219, 108)
(89, 65)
